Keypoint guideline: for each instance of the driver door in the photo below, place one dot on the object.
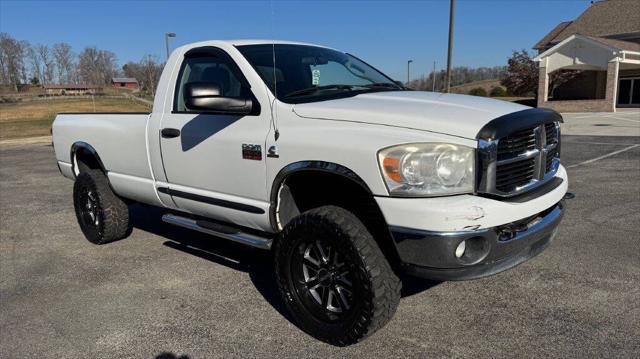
(215, 162)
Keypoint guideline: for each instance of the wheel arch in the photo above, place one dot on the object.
(85, 153)
(351, 193)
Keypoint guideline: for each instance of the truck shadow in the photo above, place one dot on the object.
(203, 126)
(258, 264)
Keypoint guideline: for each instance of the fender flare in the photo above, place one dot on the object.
(309, 166)
(84, 147)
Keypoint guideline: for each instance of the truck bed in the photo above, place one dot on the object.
(119, 138)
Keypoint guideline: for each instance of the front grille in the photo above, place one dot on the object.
(511, 175)
(551, 133)
(551, 155)
(520, 160)
(516, 143)
(515, 174)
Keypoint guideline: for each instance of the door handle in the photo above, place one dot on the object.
(170, 132)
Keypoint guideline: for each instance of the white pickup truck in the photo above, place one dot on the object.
(348, 176)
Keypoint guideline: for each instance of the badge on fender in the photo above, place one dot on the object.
(251, 152)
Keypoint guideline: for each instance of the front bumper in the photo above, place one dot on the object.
(431, 255)
(467, 212)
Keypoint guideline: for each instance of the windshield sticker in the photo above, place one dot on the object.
(315, 77)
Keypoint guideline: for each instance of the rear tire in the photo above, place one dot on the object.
(333, 277)
(103, 217)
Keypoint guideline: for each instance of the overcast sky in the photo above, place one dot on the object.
(383, 33)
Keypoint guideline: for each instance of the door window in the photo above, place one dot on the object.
(208, 68)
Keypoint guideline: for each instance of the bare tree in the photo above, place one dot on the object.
(151, 71)
(108, 65)
(132, 69)
(147, 72)
(35, 63)
(96, 67)
(64, 62)
(12, 54)
(47, 63)
(88, 66)
(23, 46)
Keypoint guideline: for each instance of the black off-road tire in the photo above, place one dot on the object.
(110, 219)
(376, 287)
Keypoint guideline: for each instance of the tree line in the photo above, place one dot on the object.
(24, 63)
(459, 75)
(519, 77)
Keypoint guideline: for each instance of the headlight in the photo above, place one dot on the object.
(428, 169)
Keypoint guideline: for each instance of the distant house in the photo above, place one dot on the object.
(128, 82)
(70, 89)
(604, 43)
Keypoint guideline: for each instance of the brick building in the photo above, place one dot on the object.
(604, 44)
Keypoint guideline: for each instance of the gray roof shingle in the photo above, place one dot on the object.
(618, 44)
(551, 35)
(606, 18)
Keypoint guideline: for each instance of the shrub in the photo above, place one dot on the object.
(478, 91)
(497, 91)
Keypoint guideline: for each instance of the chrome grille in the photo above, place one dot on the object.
(519, 161)
(551, 156)
(551, 134)
(514, 174)
(516, 143)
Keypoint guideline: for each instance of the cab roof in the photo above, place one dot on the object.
(242, 42)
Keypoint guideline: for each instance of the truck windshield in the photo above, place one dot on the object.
(308, 73)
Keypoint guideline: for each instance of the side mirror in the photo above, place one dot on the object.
(207, 96)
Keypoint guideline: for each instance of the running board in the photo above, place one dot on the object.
(219, 230)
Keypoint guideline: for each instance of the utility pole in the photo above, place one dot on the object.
(448, 80)
(433, 78)
(166, 41)
(408, 71)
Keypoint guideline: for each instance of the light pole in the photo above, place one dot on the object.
(433, 78)
(408, 71)
(166, 40)
(448, 80)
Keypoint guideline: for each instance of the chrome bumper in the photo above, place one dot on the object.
(432, 255)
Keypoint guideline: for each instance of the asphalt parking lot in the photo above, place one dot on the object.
(167, 292)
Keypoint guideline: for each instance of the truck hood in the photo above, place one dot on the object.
(457, 115)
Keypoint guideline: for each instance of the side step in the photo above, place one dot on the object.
(219, 230)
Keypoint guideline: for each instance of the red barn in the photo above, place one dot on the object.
(128, 82)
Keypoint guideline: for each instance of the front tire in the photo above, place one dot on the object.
(103, 217)
(333, 277)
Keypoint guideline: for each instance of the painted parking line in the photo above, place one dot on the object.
(623, 119)
(598, 143)
(567, 116)
(603, 156)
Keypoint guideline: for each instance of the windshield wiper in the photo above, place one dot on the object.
(386, 85)
(315, 89)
